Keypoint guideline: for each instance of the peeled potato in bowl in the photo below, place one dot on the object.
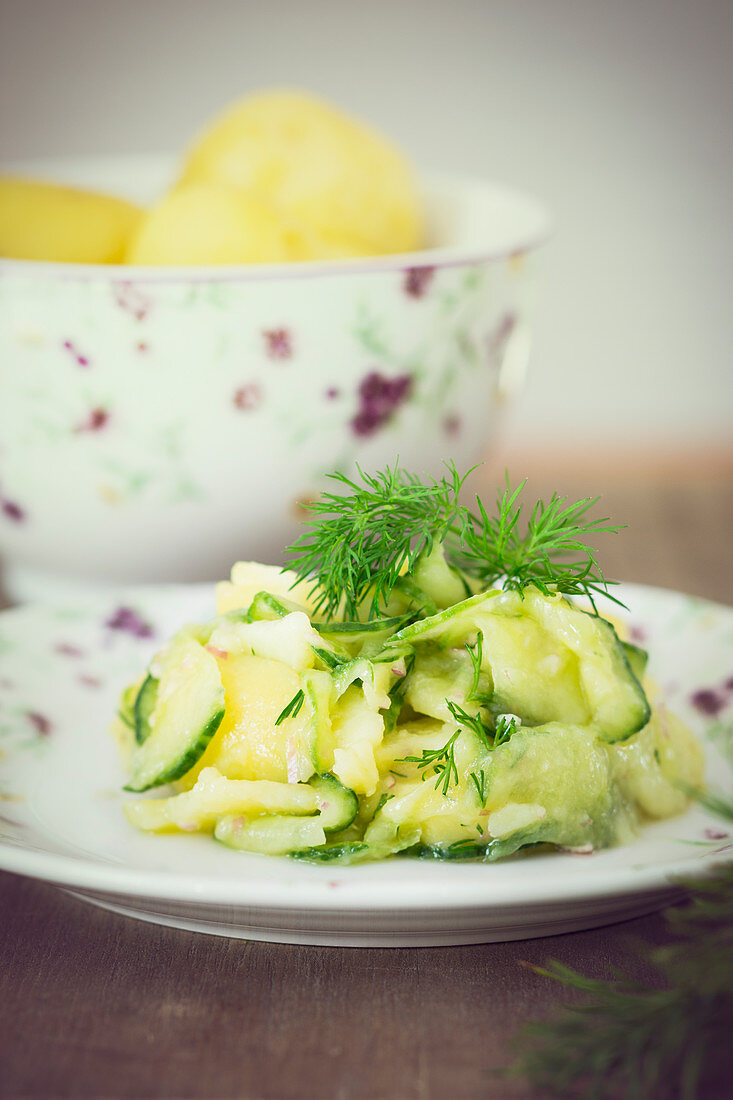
(45, 221)
(318, 167)
(211, 223)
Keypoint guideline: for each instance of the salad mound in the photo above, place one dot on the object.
(423, 681)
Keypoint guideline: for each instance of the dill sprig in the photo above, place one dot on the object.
(364, 541)
(442, 761)
(292, 708)
(475, 652)
(662, 1041)
(552, 553)
(505, 725)
(479, 781)
(471, 722)
(361, 541)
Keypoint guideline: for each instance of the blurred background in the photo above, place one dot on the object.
(615, 114)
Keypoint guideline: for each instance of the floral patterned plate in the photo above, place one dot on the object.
(61, 670)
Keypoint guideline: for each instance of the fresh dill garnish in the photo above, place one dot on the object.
(362, 543)
(475, 652)
(292, 708)
(442, 761)
(479, 781)
(552, 554)
(505, 726)
(670, 1038)
(397, 696)
(382, 799)
(471, 722)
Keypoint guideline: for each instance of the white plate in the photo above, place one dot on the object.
(61, 670)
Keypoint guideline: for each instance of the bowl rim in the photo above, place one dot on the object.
(540, 225)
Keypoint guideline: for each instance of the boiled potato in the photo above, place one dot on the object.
(43, 221)
(318, 167)
(212, 223)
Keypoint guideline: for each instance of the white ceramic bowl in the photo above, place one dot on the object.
(158, 423)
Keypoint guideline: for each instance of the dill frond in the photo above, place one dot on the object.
(364, 541)
(665, 1041)
(360, 541)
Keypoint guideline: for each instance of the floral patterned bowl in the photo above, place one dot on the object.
(158, 423)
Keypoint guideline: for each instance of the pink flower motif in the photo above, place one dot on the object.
(332, 393)
(11, 510)
(41, 724)
(379, 399)
(95, 421)
(131, 299)
(278, 344)
(708, 702)
(417, 280)
(711, 701)
(452, 424)
(247, 397)
(89, 681)
(128, 621)
(81, 360)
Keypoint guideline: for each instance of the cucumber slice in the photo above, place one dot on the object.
(548, 660)
(330, 660)
(357, 634)
(266, 606)
(144, 707)
(439, 581)
(637, 658)
(282, 834)
(126, 709)
(619, 703)
(270, 835)
(439, 676)
(449, 627)
(318, 687)
(188, 710)
(351, 851)
(213, 796)
(338, 805)
(460, 850)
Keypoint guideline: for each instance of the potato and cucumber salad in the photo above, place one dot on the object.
(421, 680)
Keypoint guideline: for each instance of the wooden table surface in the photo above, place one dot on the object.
(98, 1005)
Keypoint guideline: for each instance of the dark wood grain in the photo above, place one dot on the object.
(99, 1005)
(96, 1005)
